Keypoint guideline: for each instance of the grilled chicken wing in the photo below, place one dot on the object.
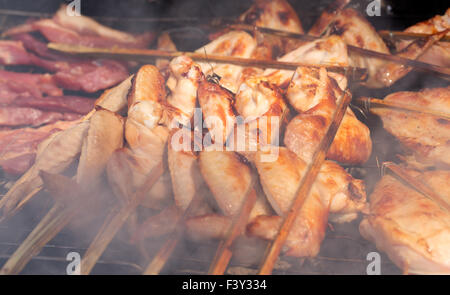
(439, 53)
(412, 229)
(262, 107)
(184, 168)
(277, 15)
(217, 107)
(425, 136)
(145, 137)
(185, 77)
(315, 95)
(330, 50)
(104, 136)
(334, 191)
(234, 43)
(357, 31)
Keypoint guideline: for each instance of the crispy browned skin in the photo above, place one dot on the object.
(412, 229)
(263, 109)
(276, 14)
(217, 107)
(329, 50)
(316, 101)
(234, 43)
(426, 136)
(357, 31)
(184, 79)
(145, 137)
(147, 84)
(334, 191)
(327, 17)
(439, 53)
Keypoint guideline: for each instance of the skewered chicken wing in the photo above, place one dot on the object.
(439, 53)
(412, 229)
(334, 191)
(277, 15)
(217, 107)
(315, 95)
(357, 31)
(425, 136)
(234, 43)
(185, 77)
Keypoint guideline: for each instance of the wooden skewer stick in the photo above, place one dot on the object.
(371, 103)
(408, 35)
(224, 253)
(417, 185)
(149, 55)
(67, 205)
(52, 223)
(115, 220)
(357, 50)
(274, 249)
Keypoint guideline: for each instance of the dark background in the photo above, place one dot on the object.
(402, 13)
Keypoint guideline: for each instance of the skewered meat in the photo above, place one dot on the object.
(229, 180)
(217, 107)
(412, 229)
(357, 31)
(276, 14)
(334, 191)
(234, 43)
(115, 99)
(89, 76)
(263, 109)
(59, 150)
(104, 136)
(24, 116)
(184, 168)
(54, 155)
(425, 136)
(82, 30)
(330, 50)
(18, 147)
(230, 183)
(14, 84)
(315, 95)
(67, 103)
(183, 82)
(439, 53)
(144, 136)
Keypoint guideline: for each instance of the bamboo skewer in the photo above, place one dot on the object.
(408, 35)
(357, 50)
(65, 208)
(115, 220)
(370, 103)
(417, 185)
(149, 55)
(224, 253)
(274, 249)
(53, 222)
